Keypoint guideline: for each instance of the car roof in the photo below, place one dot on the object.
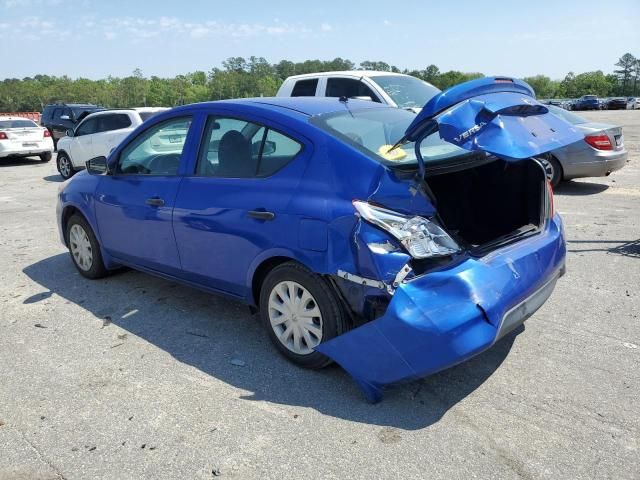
(308, 106)
(350, 73)
(10, 117)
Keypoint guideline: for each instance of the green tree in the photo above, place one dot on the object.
(627, 64)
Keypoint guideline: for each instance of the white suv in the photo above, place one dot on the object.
(97, 135)
(395, 89)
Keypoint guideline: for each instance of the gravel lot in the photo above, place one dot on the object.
(132, 376)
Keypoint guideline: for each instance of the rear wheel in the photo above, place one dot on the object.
(552, 169)
(84, 248)
(45, 157)
(65, 167)
(300, 310)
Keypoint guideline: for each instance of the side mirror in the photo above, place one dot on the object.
(65, 117)
(97, 166)
(269, 148)
(69, 132)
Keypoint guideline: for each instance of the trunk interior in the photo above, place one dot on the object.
(489, 204)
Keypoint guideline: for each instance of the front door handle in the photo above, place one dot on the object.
(261, 215)
(155, 202)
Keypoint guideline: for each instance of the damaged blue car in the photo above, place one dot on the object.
(394, 244)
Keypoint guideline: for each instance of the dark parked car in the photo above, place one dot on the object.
(620, 103)
(60, 117)
(586, 102)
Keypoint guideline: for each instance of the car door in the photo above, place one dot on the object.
(134, 203)
(80, 147)
(112, 129)
(233, 207)
(58, 126)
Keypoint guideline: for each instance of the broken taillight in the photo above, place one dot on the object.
(421, 237)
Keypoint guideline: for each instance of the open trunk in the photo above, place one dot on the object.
(488, 205)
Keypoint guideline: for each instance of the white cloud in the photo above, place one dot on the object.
(325, 27)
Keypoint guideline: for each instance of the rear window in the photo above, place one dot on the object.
(115, 121)
(17, 124)
(590, 97)
(305, 88)
(566, 116)
(374, 130)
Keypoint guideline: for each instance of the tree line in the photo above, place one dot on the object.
(253, 77)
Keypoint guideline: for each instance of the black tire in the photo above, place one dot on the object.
(333, 315)
(46, 157)
(97, 268)
(552, 169)
(65, 167)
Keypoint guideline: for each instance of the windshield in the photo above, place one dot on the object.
(566, 116)
(406, 91)
(375, 130)
(17, 124)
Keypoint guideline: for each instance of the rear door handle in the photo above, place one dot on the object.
(155, 202)
(261, 215)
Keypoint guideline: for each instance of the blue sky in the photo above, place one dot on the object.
(94, 39)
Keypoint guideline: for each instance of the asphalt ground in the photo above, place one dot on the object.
(133, 377)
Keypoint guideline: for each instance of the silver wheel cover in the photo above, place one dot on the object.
(80, 247)
(295, 317)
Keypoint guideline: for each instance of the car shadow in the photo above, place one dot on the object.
(53, 178)
(17, 161)
(626, 248)
(208, 332)
(579, 188)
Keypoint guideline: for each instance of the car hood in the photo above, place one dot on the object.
(495, 114)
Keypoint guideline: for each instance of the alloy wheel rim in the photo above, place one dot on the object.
(295, 317)
(64, 166)
(80, 247)
(548, 168)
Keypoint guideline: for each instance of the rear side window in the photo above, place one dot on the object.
(305, 88)
(233, 148)
(115, 121)
(57, 113)
(350, 88)
(157, 150)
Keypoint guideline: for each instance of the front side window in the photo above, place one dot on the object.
(349, 88)
(115, 121)
(305, 88)
(87, 127)
(374, 130)
(157, 150)
(233, 148)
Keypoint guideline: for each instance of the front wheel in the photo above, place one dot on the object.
(84, 248)
(45, 157)
(300, 310)
(65, 167)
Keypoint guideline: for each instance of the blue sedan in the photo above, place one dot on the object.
(392, 243)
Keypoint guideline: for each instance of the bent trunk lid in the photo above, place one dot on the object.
(496, 115)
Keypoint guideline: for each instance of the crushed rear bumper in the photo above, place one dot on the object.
(445, 317)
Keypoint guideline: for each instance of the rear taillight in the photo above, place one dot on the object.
(551, 208)
(3, 136)
(46, 134)
(599, 142)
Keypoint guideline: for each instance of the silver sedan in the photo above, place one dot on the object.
(600, 153)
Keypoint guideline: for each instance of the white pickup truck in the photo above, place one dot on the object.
(97, 135)
(394, 89)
